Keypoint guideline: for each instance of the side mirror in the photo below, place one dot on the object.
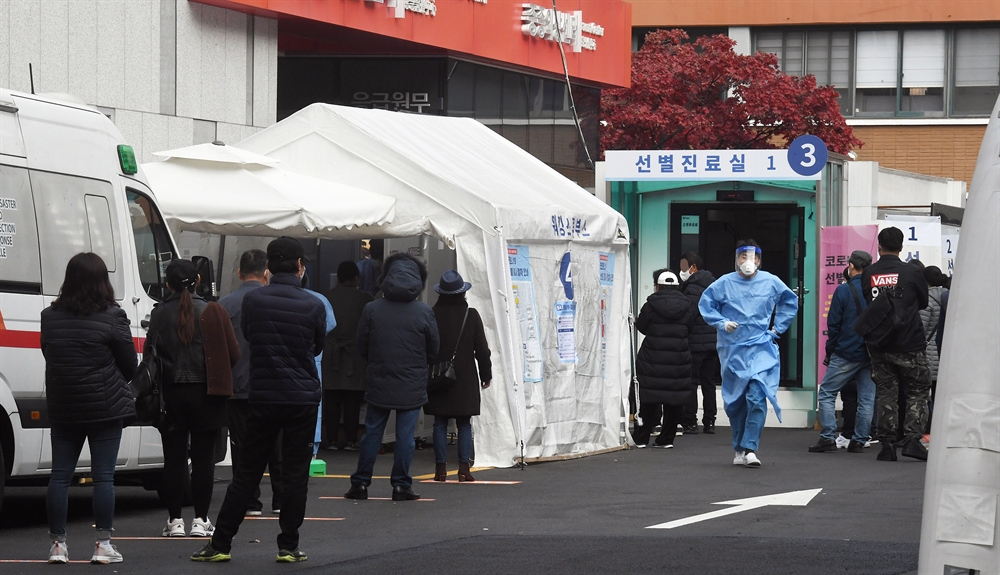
(207, 289)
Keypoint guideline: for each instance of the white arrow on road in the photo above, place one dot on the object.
(799, 498)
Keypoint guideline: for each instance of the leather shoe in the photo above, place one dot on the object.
(888, 452)
(356, 492)
(823, 445)
(710, 427)
(403, 493)
(914, 449)
(855, 447)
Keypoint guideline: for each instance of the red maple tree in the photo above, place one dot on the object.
(703, 95)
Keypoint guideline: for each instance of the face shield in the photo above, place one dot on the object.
(748, 260)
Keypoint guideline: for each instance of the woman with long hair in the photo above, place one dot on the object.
(195, 341)
(462, 334)
(89, 358)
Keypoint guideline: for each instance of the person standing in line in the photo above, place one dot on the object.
(253, 274)
(343, 367)
(286, 329)
(847, 361)
(702, 340)
(930, 317)
(370, 267)
(461, 331)
(740, 306)
(194, 339)
(663, 364)
(89, 359)
(901, 362)
(398, 336)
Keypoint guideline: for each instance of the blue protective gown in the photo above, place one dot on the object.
(749, 353)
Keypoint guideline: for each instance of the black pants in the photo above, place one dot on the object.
(849, 396)
(297, 424)
(703, 368)
(238, 412)
(342, 401)
(175, 469)
(651, 414)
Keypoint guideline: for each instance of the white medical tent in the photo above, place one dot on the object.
(456, 180)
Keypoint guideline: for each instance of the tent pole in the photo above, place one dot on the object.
(219, 267)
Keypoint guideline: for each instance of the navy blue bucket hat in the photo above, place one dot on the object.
(452, 283)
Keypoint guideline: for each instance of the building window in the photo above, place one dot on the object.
(896, 73)
(977, 71)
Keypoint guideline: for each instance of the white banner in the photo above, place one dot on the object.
(921, 237)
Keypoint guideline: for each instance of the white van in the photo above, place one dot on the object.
(68, 183)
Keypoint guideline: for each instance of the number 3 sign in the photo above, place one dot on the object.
(807, 155)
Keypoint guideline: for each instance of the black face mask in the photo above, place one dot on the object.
(847, 273)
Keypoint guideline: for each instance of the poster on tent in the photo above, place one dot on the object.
(949, 247)
(566, 330)
(836, 245)
(607, 277)
(921, 237)
(526, 306)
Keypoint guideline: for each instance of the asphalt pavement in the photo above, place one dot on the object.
(587, 515)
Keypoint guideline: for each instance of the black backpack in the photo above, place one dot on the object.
(884, 320)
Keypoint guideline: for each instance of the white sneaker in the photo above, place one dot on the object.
(252, 513)
(174, 528)
(201, 527)
(740, 459)
(752, 460)
(58, 553)
(105, 553)
(869, 443)
(842, 442)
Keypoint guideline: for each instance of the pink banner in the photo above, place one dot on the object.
(836, 245)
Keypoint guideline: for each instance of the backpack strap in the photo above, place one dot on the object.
(857, 300)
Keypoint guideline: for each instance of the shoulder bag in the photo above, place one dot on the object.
(441, 375)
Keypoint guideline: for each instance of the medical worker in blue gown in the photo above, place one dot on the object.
(739, 305)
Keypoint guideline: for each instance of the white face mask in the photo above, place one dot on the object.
(748, 267)
(685, 275)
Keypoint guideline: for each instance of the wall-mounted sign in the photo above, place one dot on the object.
(399, 7)
(547, 24)
(804, 160)
(690, 224)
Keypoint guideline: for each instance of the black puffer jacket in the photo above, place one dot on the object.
(286, 328)
(182, 363)
(663, 363)
(399, 337)
(702, 336)
(88, 363)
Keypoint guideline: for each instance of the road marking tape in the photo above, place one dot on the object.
(372, 499)
(476, 482)
(304, 518)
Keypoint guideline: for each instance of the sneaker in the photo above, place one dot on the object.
(106, 553)
(842, 442)
(210, 554)
(824, 445)
(174, 528)
(752, 460)
(351, 446)
(276, 511)
(640, 446)
(690, 429)
(290, 556)
(666, 446)
(59, 552)
(252, 513)
(740, 459)
(202, 527)
(914, 449)
(856, 447)
(872, 441)
(710, 427)
(887, 453)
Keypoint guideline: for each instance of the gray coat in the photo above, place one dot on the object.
(343, 366)
(930, 316)
(233, 304)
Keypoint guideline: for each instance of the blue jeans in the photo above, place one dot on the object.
(464, 425)
(746, 417)
(67, 443)
(375, 420)
(839, 373)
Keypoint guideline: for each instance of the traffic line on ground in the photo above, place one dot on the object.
(453, 472)
(797, 498)
(304, 518)
(348, 476)
(160, 538)
(41, 561)
(476, 482)
(372, 498)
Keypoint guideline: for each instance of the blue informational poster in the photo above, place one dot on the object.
(607, 271)
(526, 306)
(566, 329)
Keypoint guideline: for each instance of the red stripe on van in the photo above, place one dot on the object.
(24, 339)
(33, 340)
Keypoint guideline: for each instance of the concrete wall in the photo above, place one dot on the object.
(169, 73)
